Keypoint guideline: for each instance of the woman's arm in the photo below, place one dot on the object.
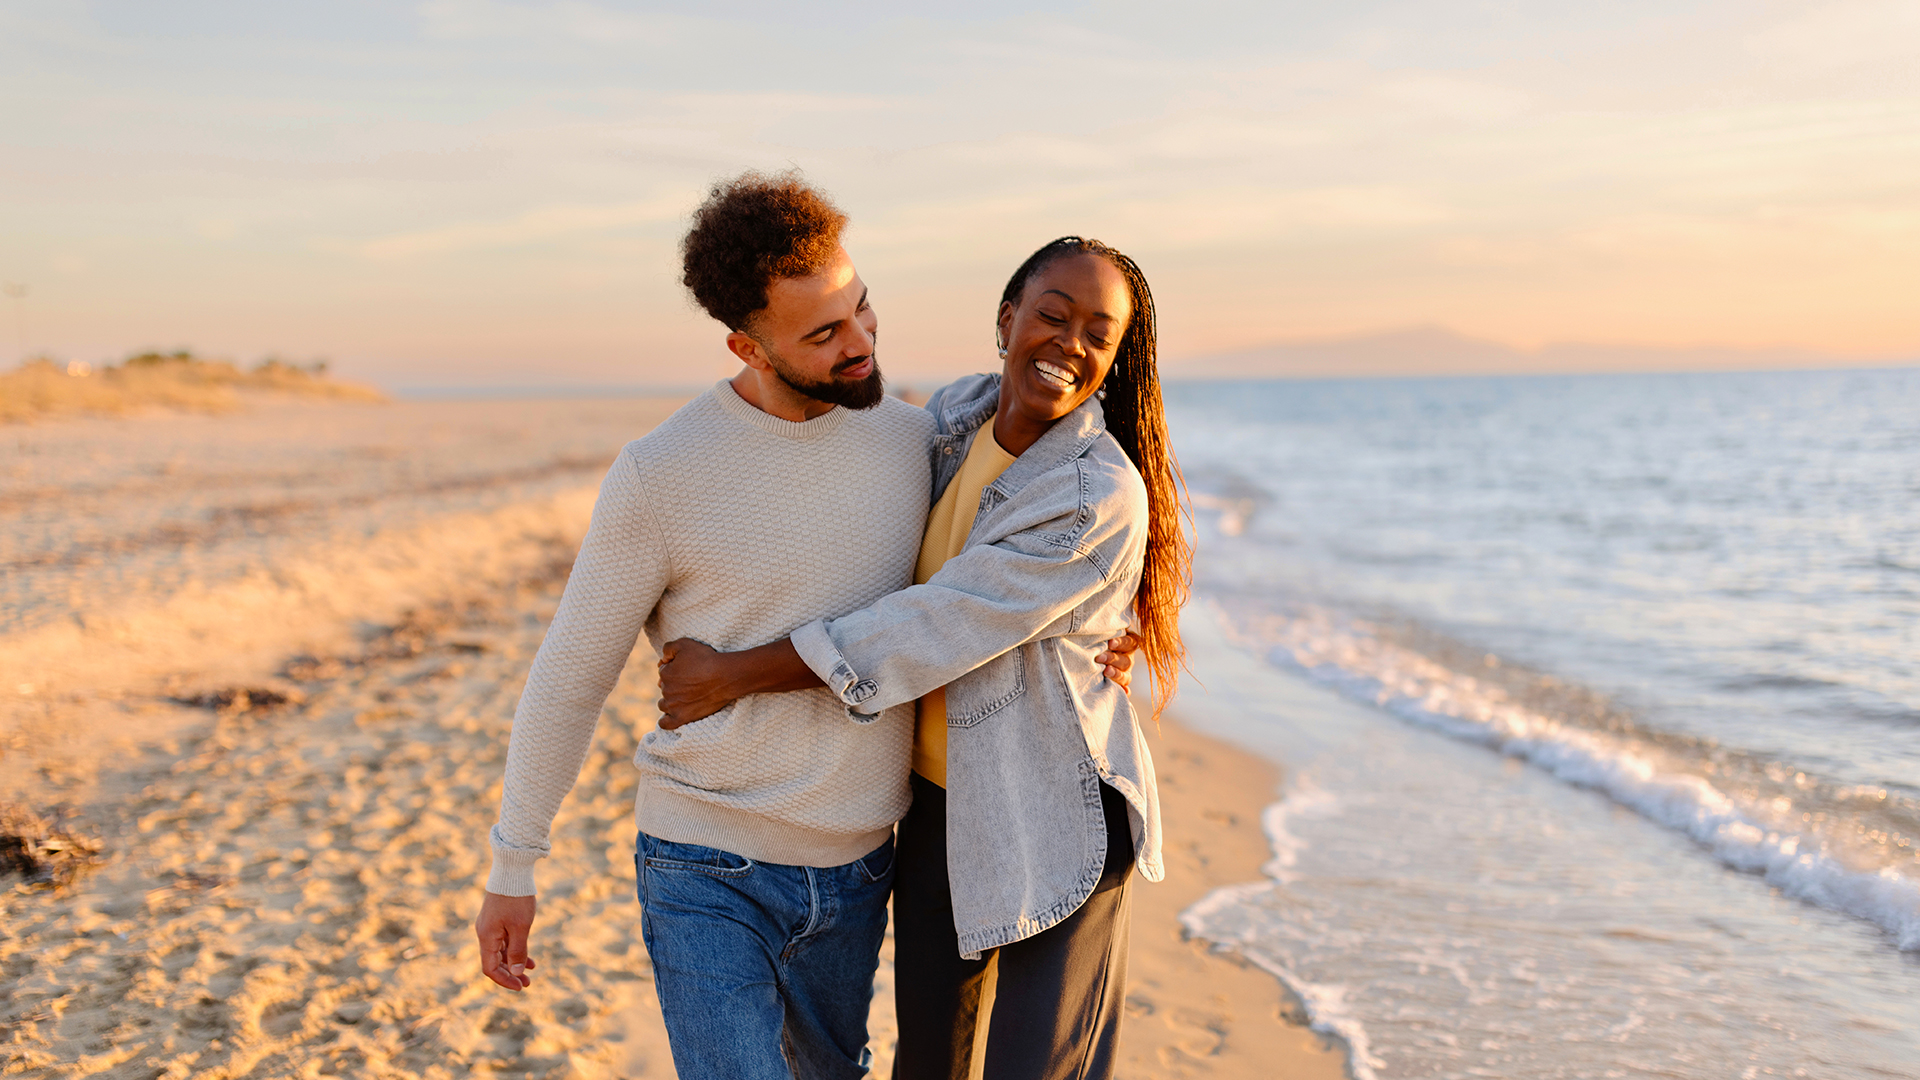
(697, 681)
(1065, 537)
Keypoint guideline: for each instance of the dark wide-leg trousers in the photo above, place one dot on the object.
(1056, 997)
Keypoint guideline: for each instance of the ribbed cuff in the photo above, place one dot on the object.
(512, 873)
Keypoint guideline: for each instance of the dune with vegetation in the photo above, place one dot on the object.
(177, 380)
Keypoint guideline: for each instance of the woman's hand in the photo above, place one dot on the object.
(695, 682)
(1118, 659)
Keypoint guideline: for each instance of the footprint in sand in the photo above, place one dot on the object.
(292, 896)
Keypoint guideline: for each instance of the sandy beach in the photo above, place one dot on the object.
(287, 874)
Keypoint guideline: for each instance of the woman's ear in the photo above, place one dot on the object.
(1003, 328)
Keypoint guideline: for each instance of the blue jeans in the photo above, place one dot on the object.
(764, 972)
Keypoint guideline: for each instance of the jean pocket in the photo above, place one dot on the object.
(877, 865)
(673, 857)
(986, 689)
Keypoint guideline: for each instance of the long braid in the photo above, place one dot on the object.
(1137, 421)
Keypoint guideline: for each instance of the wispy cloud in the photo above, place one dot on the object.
(542, 225)
(1843, 36)
(595, 24)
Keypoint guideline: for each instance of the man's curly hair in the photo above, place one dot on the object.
(752, 229)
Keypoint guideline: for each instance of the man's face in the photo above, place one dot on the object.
(818, 332)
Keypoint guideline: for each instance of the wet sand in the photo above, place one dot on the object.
(1192, 1010)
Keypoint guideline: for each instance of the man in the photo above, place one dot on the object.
(793, 491)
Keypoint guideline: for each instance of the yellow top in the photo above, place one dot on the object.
(947, 528)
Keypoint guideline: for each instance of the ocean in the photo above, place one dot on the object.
(1600, 702)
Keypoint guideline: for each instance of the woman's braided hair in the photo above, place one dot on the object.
(1137, 421)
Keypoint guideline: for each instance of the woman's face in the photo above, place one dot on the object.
(1061, 336)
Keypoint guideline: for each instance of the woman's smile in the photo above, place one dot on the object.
(1055, 374)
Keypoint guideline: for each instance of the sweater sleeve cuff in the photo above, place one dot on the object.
(817, 649)
(512, 873)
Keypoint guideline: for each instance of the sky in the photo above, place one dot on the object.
(490, 193)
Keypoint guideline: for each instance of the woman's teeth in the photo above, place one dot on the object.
(1054, 373)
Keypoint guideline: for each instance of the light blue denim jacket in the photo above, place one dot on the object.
(1010, 626)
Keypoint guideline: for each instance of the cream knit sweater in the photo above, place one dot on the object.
(733, 527)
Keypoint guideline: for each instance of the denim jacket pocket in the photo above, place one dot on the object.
(986, 690)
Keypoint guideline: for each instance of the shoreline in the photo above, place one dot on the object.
(1196, 1009)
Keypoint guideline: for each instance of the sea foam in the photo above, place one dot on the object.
(1343, 654)
(1221, 917)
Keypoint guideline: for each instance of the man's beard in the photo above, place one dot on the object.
(863, 394)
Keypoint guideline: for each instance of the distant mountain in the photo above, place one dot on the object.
(1434, 350)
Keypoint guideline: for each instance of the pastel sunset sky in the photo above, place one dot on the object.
(480, 192)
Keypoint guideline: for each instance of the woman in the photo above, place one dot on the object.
(1056, 515)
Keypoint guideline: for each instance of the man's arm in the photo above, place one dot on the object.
(616, 581)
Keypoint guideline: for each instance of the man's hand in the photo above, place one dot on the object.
(503, 926)
(1118, 659)
(694, 682)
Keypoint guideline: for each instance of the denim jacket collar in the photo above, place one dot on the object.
(965, 416)
(1066, 440)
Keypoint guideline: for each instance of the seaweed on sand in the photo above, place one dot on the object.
(41, 850)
